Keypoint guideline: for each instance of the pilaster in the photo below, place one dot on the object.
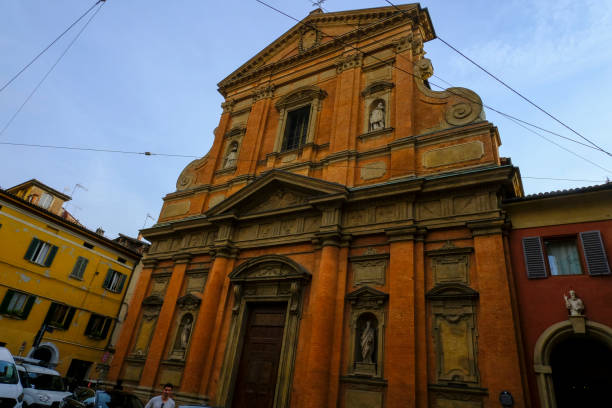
(496, 324)
(322, 313)
(164, 322)
(201, 339)
(131, 319)
(400, 351)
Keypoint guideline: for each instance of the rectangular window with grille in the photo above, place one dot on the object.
(558, 256)
(79, 268)
(17, 304)
(40, 252)
(296, 128)
(114, 281)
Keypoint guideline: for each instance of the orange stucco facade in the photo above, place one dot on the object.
(372, 222)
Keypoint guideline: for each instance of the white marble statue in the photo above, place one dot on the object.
(232, 157)
(574, 304)
(377, 117)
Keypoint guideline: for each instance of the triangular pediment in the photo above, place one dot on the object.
(323, 32)
(276, 191)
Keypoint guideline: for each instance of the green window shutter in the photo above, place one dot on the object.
(7, 299)
(28, 306)
(31, 249)
(89, 324)
(50, 312)
(594, 253)
(51, 255)
(68, 319)
(534, 258)
(121, 283)
(107, 280)
(107, 325)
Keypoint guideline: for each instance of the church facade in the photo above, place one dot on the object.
(342, 244)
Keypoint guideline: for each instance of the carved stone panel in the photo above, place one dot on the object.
(172, 375)
(453, 154)
(373, 170)
(195, 283)
(363, 398)
(450, 268)
(455, 337)
(132, 372)
(369, 269)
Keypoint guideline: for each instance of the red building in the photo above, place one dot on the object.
(560, 242)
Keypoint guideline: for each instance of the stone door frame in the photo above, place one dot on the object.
(269, 278)
(553, 336)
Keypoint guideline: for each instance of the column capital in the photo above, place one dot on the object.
(223, 251)
(408, 233)
(486, 227)
(149, 263)
(331, 238)
(181, 258)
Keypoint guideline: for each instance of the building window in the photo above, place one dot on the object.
(17, 304)
(562, 256)
(40, 252)
(79, 268)
(296, 128)
(98, 326)
(298, 112)
(59, 316)
(45, 200)
(114, 281)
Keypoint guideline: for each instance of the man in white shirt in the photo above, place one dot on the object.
(163, 400)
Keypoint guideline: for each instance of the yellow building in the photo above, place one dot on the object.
(61, 285)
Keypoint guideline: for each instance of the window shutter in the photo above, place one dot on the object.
(534, 257)
(107, 280)
(89, 324)
(7, 299)
(50, 312)
(31, 249)
(121, 282)
(51, 255)
(68, 319)
(28, 307)
(594, 253)
(107, 325)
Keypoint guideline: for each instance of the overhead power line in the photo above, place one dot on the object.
(417, 76)
(513, 90)
(27, 99)
(47, 47)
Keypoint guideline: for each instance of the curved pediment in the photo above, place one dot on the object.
(300, 96)
(153, 301)
(451, 291)
(269, 267)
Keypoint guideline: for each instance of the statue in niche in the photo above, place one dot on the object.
(367, 343)
(184, 333)
(574, 304)
(232, 156)
(377, 117)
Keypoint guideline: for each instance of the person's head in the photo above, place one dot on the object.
(572, 294)
(167, 391)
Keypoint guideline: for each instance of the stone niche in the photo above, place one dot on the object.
(367, 328)
(151, 307)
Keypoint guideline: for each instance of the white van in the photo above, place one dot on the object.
(11, 391)
(42, 387)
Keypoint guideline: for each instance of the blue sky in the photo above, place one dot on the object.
(143, 75)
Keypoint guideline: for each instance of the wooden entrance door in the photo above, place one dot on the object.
(258, 369)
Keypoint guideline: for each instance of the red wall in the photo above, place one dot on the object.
(541, 301)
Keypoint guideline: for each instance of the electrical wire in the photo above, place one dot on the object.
(47, 47)
(512, 89)
(418, 77)
(93, 149)
(51, 69)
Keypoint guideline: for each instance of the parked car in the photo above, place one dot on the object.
(11, 391)
(89, 398)
(42, 386)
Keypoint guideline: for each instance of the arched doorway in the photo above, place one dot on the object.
(581, 372)
(571, 362)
